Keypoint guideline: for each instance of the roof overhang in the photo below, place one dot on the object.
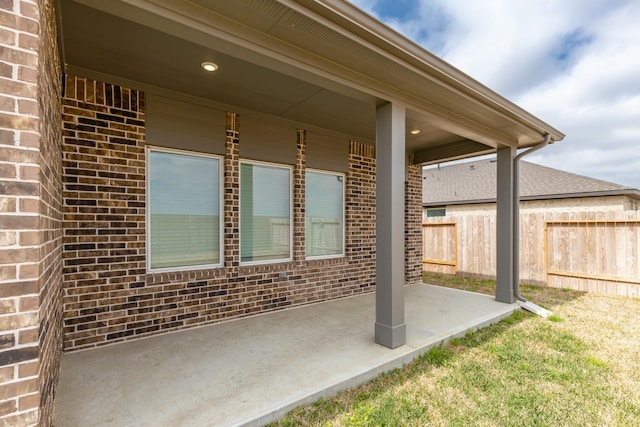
(324, 63)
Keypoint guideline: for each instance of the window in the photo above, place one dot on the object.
(265, 212)
(324, 212)
(436, 212)
(184, 224)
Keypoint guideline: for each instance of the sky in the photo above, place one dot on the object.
(573, 63)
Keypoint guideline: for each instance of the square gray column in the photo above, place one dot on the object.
(505, 236)
(390, 329)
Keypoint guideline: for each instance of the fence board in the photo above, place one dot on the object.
(589, 250)
(612, 245)
(440, 247)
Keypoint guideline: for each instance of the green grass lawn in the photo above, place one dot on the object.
(581, 367)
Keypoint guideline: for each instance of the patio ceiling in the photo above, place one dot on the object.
(322, 63)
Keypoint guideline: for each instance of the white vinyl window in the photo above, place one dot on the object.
(434, 212)
(184, 210)
(265, 212)
(324, 213)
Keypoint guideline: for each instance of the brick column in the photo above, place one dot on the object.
(413, 225)
(360, 213)
(104, 212)
(299, 199)
(30, 213)
(232, 195)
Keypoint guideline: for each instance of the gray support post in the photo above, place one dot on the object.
(390, 329)
(505, 226)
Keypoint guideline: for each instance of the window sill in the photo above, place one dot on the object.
(156, 277)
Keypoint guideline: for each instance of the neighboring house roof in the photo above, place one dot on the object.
(475, 182)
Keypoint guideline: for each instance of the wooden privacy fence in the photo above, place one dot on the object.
(593, 255)
(462, 245)
(441, 255)
(586, 251)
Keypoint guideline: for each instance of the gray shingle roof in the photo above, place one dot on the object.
(475, 182)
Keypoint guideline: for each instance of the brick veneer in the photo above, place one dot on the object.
(104, 212)
(109, 297)
(30, 205)
(413, 225)
(50, 272)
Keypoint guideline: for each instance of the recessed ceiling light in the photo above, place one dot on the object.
(414, 131)
(209, 66)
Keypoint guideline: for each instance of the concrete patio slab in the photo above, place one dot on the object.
(252, 371)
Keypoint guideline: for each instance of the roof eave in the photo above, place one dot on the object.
(494, 121)
(366, 27)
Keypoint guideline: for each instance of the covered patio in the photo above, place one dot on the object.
(323, 67)
(296, 89)
(252, 371)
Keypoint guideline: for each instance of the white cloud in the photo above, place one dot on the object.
(573, 63)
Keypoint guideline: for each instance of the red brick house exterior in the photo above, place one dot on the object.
(74, 187)
(109, 296)
(31, 209)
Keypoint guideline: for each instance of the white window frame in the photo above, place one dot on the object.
(220, 159)
(435, 208)
(274, 165)
(344, 214)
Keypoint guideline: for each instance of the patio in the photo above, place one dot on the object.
(252, 371)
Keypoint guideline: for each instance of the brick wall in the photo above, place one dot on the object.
(413, 225)
(30, 231)
(108, 296)
(50, 210)
(104, 211)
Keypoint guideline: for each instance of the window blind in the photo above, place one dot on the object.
(184, 206)
(265, 212)
(324, 213)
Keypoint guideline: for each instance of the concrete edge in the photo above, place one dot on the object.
(369, 374)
